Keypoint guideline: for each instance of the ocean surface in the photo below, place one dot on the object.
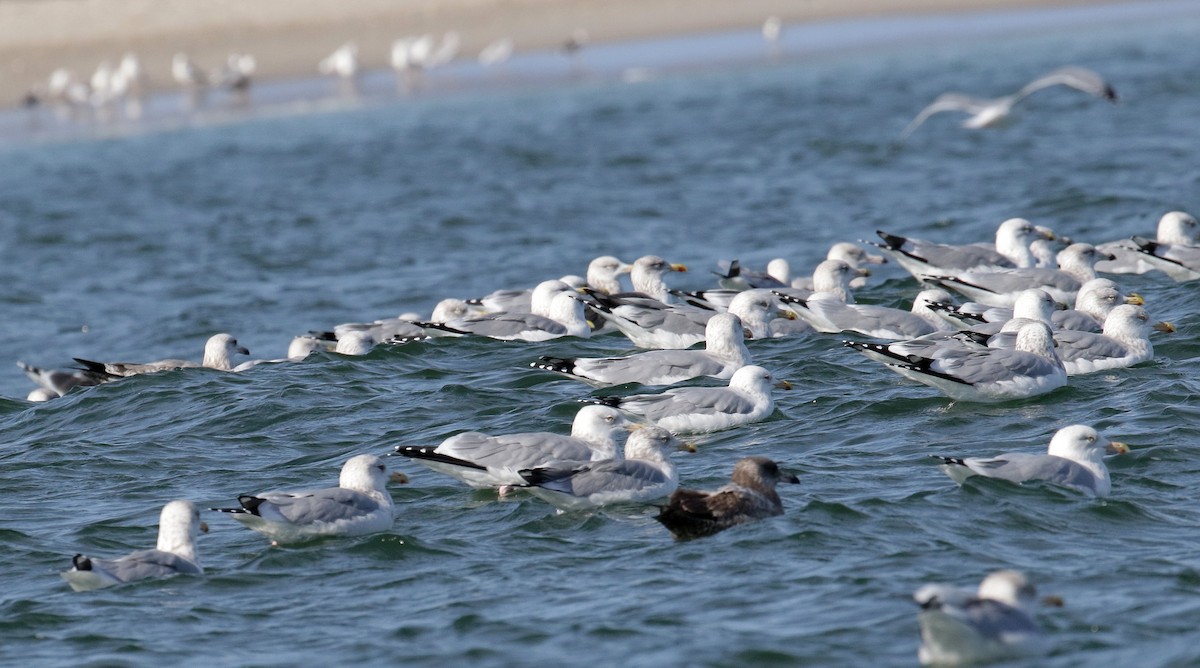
(140, 247)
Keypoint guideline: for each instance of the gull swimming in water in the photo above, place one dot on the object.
(359, 505)
(960, 627)
(218, 354)
(984, 374)
(749, 496)
(644, 474)
(1014, 238)
(299, 349)
(695, 410)
(57, 382)
(1074, 459)
(724, 353)
(482, 460)
(178, 527)
(985, 113)
(1076, 266)
(1124, 342)
(1174, 228)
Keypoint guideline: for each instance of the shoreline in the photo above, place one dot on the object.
(289, 37)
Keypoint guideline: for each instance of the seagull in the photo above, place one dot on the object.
(1074, 459)
(959, 627)
(604, 272)
(218, 354)
(988, 113)
(1076, 265)
(355, 343)
(483, 461)
(566, 318)
(299, 349)
(984, 374)
(724, 353)
(919, 257)
(697, 410)
(846, 252)
(178, 527)
(1174, 228)
(828, 314)
(57, 381)
(1179, 261)
(749, 496)
(1094, 301)
(496, 53)
(1124, 342)
(343, 62)
(645, 473)
(186, 73)
(359, 505)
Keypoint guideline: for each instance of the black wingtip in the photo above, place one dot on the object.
(430, 454)
(81, 563)
(893, 242)
(322, 336)
(954, 461)
(556, 364)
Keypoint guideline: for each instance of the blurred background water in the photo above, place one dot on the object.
(140, 247)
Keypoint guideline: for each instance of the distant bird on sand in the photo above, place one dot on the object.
(496, 53)
(343, 62)
(987, 113)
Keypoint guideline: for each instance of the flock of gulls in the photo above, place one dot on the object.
(1001, 320)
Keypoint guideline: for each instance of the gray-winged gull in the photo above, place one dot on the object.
(218, 354)
(359, 505)
(960, 627)
(482, 460)
(693, 410)
(645, 474)
(178, 527)
(986, 113)
(1074, 459)
(724, 353)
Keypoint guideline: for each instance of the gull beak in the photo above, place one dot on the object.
(398, 478)
(876, 259)
(1060, 306)
(685, 446)
(786, 314)
(204, 527)
(624, 269)
(243, 350)
(679, 267)
(784, 476)
(1135, 299)
(634, 426)
(1048, 234)
(862, 271)
(1116, 448)
(783, 385)
(1053, 601)
(1164, 327)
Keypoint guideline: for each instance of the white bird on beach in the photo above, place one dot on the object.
(1074, 459)
(186, 73)
(960, 627)
(359, 505)
(218, 354)
(986, 113)
(178, 527)
(343, 62)
(496, 53)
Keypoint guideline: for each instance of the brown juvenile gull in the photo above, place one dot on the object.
(750, 496)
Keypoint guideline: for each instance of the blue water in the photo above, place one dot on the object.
(139, 248)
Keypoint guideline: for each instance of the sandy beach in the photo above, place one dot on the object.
(288, 37)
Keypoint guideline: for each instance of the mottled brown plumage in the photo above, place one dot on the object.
(749, 496)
